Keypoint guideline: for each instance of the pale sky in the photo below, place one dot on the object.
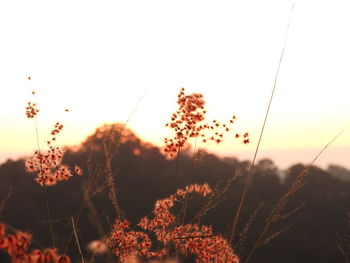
(98, 58)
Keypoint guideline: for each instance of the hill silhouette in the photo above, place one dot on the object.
(142, 175)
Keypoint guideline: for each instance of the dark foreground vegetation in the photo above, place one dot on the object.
(143, 175)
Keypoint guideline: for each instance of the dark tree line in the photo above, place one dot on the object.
(143, 174)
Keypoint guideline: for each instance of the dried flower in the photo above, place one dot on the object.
(31, 110)
(16, 246)
(190, 238)
(47, 164)
(188, 122)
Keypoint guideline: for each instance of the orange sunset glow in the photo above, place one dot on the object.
(108, 67)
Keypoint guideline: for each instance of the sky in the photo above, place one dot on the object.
(110, 61)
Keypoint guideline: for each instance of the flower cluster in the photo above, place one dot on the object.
(188, 122)
(185, 121)
(130, 243)
(16, 246)
(48, 163)
(163, 219)
(187, 239)
(56, 130)
(200, 241)
(32, 110)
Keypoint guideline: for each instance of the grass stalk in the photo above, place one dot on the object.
(46, 199)
(110, 180)
(49, 218)
(189, 181)
(251, 169)
(77, 240)
(4, 201)
(110, 152)
(77, 222)
(276, 212)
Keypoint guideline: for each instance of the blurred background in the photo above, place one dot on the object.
(125, 62)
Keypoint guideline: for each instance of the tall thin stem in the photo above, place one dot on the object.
(49, 218)
(189, 180)
(76, 224)
(250, 173)
(47, 206)
(77, 240)
(177, 161)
